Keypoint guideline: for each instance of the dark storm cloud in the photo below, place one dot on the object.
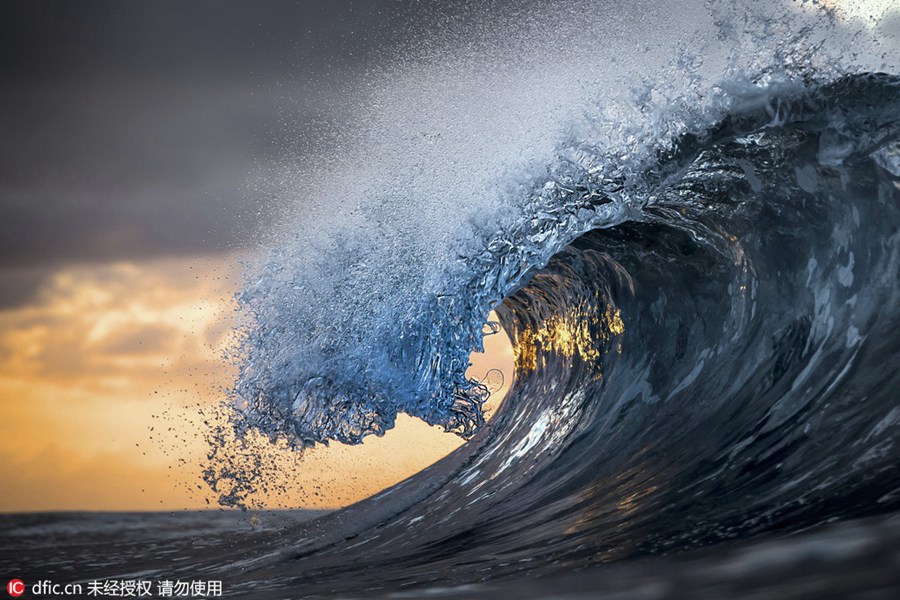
(18, 286)
(132, 130)
(126, 171)
(210, 39)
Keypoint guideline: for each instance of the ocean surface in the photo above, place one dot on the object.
(689, 227)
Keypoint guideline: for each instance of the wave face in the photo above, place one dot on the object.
(748, 385)
(706, 322)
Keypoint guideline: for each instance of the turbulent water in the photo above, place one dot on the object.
(467, 179)
(694, 249)
(698, 273)
(716, 362)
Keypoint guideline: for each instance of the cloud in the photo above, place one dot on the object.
(19, 284)
(101, 355)
(138, 133)
(147, 131)
(122, 322)
(126, 172)
(107, 379)
(206, 39)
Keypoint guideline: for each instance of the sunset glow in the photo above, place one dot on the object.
(107, 378)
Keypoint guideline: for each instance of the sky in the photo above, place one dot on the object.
(138, 146)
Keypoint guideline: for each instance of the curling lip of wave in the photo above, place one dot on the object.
(587, 187)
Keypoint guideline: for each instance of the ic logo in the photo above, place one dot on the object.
(15, 587)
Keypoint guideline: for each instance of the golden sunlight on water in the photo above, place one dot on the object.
(108, 374)
(577, 333)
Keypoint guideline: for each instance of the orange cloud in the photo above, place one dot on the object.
(107, 377)
(88, 367)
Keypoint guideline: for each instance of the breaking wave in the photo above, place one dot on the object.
(699, 276)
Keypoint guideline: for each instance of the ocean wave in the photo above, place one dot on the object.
(585, 189)
(705, 352)
(700, 282)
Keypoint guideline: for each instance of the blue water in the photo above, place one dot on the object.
(462, 181)
(716, 364)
